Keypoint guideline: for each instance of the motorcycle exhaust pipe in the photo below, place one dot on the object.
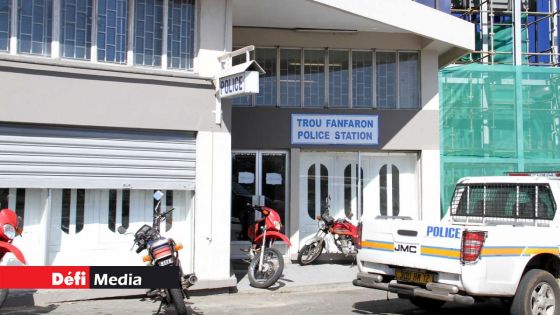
(191, 278)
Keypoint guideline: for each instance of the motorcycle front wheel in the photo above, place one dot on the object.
(3, 296)
(272, 267)
(310, 252)
(178, 302)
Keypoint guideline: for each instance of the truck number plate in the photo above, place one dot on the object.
(413, 276)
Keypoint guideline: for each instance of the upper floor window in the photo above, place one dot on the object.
(161, 33)
(180, 35)
(148, 32)
(112, 35)
(362, 79)
(339, 81)
(290, 77)
(323, 78)
(5, 12)
(75, 32)
(34, 31)
(313, 78)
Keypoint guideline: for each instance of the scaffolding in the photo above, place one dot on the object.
(498, 119)
(512, 32)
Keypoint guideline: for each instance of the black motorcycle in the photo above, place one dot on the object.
(163, 252)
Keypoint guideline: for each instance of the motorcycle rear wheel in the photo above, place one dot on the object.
(178, 301)
(3, 296)
(310, 252)
(273, 265)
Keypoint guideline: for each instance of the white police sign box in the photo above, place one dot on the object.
(335, 129)
(239, 84)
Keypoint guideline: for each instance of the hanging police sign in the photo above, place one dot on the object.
(239, 80)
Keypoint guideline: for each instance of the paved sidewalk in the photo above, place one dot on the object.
(296, 277)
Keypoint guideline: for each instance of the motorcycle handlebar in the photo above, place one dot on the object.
(160, 217)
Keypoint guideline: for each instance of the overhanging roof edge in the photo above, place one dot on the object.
(412, 17)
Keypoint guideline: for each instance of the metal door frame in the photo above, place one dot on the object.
(258, 181)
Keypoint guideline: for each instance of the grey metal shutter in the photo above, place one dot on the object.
(68, 157)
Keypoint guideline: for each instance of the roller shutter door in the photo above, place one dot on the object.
(68, 157)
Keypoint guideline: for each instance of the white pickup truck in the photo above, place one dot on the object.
(499, 238)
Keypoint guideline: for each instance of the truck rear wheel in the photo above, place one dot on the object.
(537, 293)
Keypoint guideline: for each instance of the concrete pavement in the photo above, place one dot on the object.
(295, 277)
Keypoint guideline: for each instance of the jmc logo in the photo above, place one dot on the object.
(406, 248)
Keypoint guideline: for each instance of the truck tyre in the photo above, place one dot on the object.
(537, 293)
(425, 303)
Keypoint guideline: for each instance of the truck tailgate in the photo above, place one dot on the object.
(412, 244)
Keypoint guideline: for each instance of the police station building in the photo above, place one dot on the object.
(105, 101)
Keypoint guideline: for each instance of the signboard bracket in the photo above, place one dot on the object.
(238, 80)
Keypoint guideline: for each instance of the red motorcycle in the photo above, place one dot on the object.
(10, 227)
(343, 233)
(267, 263)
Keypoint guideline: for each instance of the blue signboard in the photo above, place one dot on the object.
(335, 129)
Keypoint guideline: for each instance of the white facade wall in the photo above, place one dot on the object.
(212, 214)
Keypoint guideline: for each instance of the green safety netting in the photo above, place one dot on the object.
(496, 119)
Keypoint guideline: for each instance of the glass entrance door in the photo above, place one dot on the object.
(258, 178)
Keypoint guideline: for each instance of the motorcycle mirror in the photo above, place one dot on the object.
(158, 195)
(121, 229)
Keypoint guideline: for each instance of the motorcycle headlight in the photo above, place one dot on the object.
(277, 225)
(322, 224)
(9, 231)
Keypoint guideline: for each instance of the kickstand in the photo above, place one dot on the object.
(159, 308)
(354, 261)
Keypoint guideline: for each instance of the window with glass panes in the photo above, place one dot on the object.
(386, 78)
(350, 78)
(5, 20)
(75, 28)
(112, 26)
(266, 58)
(314, 78)
(180, 35)
(338, 78)
(148, 32)
(109, 31)
(290, 77)
(362, 79)
(34, 27)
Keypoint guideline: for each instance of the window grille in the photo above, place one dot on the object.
(504, 201)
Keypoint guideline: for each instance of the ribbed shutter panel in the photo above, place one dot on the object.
(69, 157)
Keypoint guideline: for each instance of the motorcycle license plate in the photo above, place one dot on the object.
(413, 276)
(165, 262)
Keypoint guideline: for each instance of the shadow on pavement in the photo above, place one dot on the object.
(22, 302)
(403, 306)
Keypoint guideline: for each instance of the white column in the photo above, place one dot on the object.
(45, 224)
(212, 206)
(14, 28)
(430, 186)
(55, 44)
